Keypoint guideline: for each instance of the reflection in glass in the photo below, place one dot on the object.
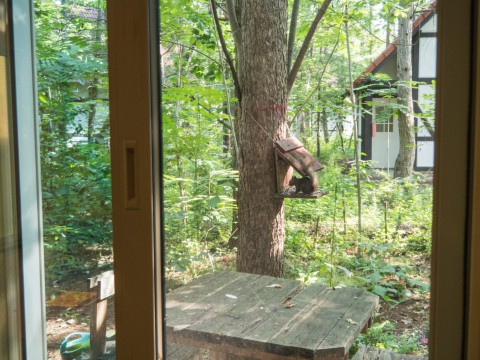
(72, 82)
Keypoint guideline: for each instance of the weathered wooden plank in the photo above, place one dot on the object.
(284, 173)
(354, 319)
(261, 306)
(239, 314)
(257, 307)
(213, 325)
(182, 352)
(301, 160)
(274, 334)
(316, 323)
(200, 286)
(106, 275)
(322, 324)
(98, 328)
(288, 144)
(106, 287)
(248, 352)
(219, 299)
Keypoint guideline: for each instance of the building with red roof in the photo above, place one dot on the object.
(376, 91)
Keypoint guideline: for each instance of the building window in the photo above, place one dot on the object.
(383, 119)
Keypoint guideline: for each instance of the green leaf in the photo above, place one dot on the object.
(380, 290)
(213, 202)
(42, 98)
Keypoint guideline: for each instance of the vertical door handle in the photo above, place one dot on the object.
(131, 177)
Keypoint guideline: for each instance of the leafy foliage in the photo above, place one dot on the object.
(323, 243)
(74, 136)
(397, 223)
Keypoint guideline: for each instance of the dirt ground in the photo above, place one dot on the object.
(64, 320)
(407, 315)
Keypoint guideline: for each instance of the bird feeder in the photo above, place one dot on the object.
(291, 154)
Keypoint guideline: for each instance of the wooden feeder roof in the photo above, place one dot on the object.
(292, 151)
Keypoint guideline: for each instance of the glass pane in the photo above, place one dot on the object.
(72, 85)
(228, 216)
(10, 329)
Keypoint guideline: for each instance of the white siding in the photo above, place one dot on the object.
(427, 67)
(425, 151)
(430, 25)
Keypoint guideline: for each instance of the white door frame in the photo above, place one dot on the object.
(29, 187)
(385, 145)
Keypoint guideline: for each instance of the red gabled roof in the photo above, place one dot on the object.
(393, 46)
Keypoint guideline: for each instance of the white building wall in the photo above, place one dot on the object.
(430, 25)
(427, 67)
(385, 144)
(425, 151)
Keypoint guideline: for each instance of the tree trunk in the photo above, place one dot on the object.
(318, 134)
(263, 119)
(322, 119)
(92, 108)
(406, 154)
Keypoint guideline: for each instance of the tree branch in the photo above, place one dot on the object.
(225, 51)
(306, 43)
(191, 48)
(428, 125)
(319, 83)
(232, 16)
(355, 126)
(291, 34)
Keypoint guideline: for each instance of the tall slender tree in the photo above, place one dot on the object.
(406, 154)
(263, 85)
(263, 119)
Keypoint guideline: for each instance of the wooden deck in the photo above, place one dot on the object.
(182, 352)
(261, 317)
(374, 353)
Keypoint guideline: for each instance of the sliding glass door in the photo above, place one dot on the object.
(33, 113)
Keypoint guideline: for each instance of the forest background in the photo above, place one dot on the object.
(388, 256)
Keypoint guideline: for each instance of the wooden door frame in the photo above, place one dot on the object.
(134, 119)
(473, 315)
(453, 235)
(453, 211)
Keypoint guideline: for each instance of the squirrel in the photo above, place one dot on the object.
(307, 184)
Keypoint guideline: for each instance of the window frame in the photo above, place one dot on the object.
(452, 211)
(24, 99)
(131, 25)
(133, 44)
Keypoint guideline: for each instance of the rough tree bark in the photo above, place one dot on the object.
(406, 154)
(262, 87)
(263, 119)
